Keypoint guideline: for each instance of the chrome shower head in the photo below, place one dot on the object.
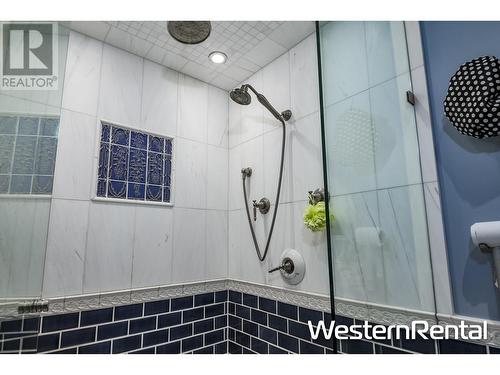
(241, 96)
(189, 32)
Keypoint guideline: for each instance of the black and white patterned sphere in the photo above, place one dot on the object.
(473, 101)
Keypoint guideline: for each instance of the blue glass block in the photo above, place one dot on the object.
(20, 184)
(118, 163)
(28, 125)
(117, 189)
(139, 140)
(103, 160)
(46, 156)
(137, 166)
(136, 191)
(101, 188)
(6, 150)
(49, 126)
(155, 144)
(166, 194)
(105, 132)
(8, 124)
(4, 183)
(167, 172)
(42, 185)
(168, 146)
(155, 168)
(120, 136)
(24, 155)
(153, 193)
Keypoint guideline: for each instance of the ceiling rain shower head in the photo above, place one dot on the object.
(189, 32)
(241, 96)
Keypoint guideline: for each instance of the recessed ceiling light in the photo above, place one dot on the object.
(217, 57)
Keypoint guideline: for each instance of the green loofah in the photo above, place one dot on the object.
(315, 217)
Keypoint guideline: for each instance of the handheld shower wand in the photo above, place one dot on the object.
(241, 96)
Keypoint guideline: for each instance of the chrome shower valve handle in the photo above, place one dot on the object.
(263, 205)
(287, 266)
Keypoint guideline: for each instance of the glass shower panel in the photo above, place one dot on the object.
(379, 232)
(29, 126)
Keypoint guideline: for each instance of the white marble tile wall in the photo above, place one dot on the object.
(289, 82)
(105, 246)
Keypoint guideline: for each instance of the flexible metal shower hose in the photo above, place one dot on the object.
(244, 176)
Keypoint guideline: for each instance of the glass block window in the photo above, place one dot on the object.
(134, 165)
(28, 146)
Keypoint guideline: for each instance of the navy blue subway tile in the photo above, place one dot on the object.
(31, 324)
(66, 351)
(287, 310)
(214, 337)
(356, 347)
(267, 305)
(340, 320)
(419, 345)
(29, 343)
(221, 296)
(250, 328)
(11, 326)
(203, 326)
(168, 320)
(323, 341)
(234, 348)
(92, 317)
(258, 316)
(48, 342)
(371, 335)
(494, 350)
(288, 342)
(172, 348)
(277, 323)
(204, 299)
(250, 300)
(108, 331)
(180, 332)
(60, 322)
(234, 296)
(11, 345)
(156, 307)
(221, 321)
(155, 338)
(308, 348)
(192, 315)
(207, 350)
(221, 348)
(242, 312)
(181, 303)
(275, 350)
(234, 322)
(242, 338)
(268, 335)
(231, 334)
(128, 311)
(259, 346)
(142, 325)
(192, 343)
(299, 330)
(126, 344)
(381, 349)
(144, 351)
(460, 347)
(231, 308)
(77, 337)
(246, 351)
(306, 315)
(99, 348)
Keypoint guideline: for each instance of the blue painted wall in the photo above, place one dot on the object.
(469, 169)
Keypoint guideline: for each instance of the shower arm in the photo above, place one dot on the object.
(263, 100)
